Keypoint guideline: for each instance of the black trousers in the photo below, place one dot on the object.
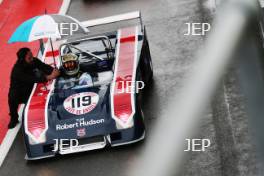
(14, 99)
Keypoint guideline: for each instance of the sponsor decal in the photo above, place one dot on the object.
(81, 103)
(81, 132)
(78, 124)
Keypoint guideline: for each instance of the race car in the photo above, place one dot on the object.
(96, 101)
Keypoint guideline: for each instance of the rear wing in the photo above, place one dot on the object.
(113, 19)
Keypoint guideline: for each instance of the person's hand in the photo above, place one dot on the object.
(54, 74)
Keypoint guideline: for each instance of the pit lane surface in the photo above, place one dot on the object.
(173, 55)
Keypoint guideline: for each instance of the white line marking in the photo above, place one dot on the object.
(64, 7)
(11, 134)
(1, 1)
(229, 116)
(10, 137)
(111, 19)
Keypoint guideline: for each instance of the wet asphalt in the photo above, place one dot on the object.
(173, 55)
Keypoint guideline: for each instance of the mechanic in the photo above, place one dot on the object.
(26, 71)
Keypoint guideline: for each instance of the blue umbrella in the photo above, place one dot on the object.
(47, 26)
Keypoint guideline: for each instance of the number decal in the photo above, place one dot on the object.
(86, 100)
(81, 103)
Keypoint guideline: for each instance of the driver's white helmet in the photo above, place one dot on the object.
(70, 64)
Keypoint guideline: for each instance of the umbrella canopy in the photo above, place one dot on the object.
(47, 26)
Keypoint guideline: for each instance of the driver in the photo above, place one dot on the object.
(72, 75)
(70, 64)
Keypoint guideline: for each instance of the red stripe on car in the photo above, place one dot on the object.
(36, 123)
(49, 53)
(122, 97)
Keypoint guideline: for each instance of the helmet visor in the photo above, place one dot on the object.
(70, 65)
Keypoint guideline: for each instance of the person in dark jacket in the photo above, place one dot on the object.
(26, 71)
